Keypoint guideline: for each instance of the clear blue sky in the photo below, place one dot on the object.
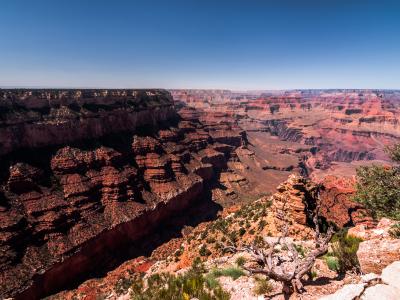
(201, 44)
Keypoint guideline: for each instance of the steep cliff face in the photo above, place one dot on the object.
(35, 118)
(68, 208)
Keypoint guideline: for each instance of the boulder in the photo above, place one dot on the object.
(348, 292)
(375, 255)
(391, 275)
(358, 231)
(381, 292)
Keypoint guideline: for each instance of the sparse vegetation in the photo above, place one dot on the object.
(167, 287)
(394, 231)
(332, 263)
(299, 249)
(345, 250)
(313, 274)
(233, 272)
(263, 286)
(242, 231)
(240, 261)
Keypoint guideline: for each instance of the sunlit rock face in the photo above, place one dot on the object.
(346, 128)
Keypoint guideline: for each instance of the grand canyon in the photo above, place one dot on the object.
(96, 182)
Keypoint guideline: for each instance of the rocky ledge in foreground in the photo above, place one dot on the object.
(239, 224)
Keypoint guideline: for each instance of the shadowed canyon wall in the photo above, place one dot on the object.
(118, 168)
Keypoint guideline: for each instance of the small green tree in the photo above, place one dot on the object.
(378, 187)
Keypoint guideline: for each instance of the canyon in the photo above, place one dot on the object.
(91, 179)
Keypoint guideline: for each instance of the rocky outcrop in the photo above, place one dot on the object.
(291, 197)
(335, 194)
(372, 287)
(348, 292)
(300, 198)
(379, 231)
(375, 255)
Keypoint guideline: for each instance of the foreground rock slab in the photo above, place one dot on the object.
(381, 292)
(375, 255)
(391, 275)
(348, 292)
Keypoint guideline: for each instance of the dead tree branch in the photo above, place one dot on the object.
(291, 279)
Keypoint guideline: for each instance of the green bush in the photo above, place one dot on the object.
(299, 249)
(313, 274)
(251, 231)
(263, 287)
(233, 236)
(210, 240)
(218, 246)
(332, 263)
(233, 272)
(204, 234)
(345, 250)
(378, 187)
(259, 240)
(212, 281)
(394, 231)
(240, 261)
(262, 224)
(263, 212)
(204, 251)
(242, 231)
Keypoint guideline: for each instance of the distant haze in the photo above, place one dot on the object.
(235, 45)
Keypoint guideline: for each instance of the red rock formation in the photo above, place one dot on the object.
(70, 213)
(335, 193)
(299, 195)
(291, 197)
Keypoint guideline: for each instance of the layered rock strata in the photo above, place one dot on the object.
(69, 210)
(290, 197)
(297, 197)
(36, 118)
(335, 193)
